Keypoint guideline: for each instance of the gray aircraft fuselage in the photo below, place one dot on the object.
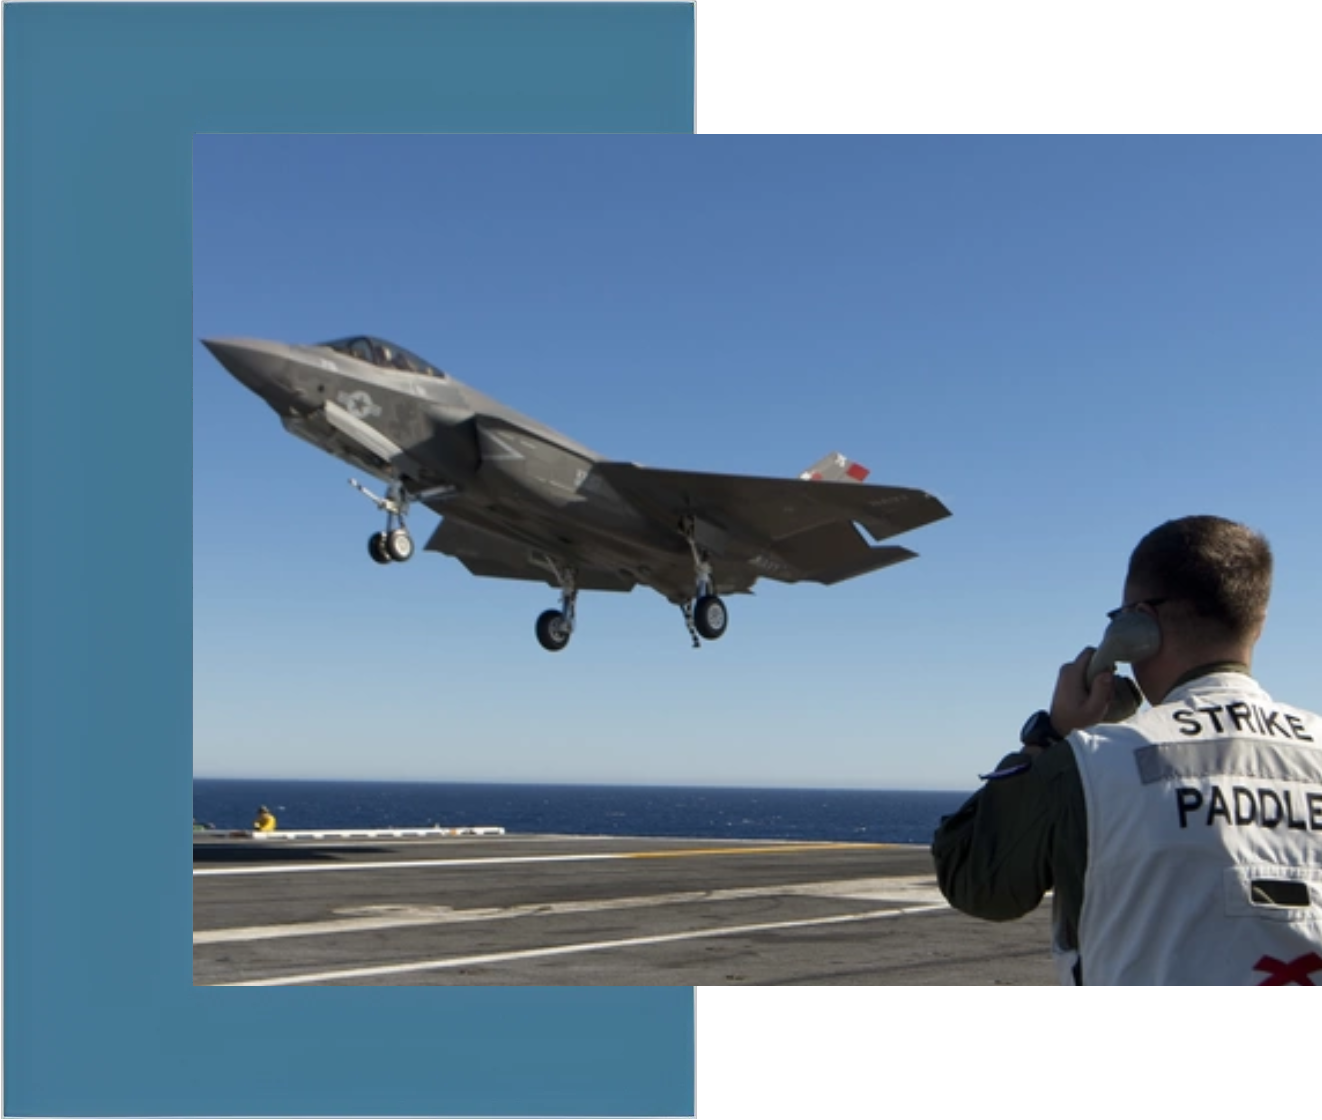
(510, 468)
(521, 500)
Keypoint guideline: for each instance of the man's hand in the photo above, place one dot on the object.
(1074, 705)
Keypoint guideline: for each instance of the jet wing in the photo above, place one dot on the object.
(805, 527)
(772, 508)
(488, 554)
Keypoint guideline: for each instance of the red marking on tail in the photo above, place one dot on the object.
(857, 472)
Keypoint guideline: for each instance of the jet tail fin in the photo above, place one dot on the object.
(836, 468)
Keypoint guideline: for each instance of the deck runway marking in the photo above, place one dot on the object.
(488, 861)
(386, 865)
(566, 950)
(826, 847)
(899, 891)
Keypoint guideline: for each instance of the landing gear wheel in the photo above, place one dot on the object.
(710, 617)
(376, 548)
(394, 542)
(553, 630)
(399, 545)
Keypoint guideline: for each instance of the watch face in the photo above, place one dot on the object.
(1037, 731)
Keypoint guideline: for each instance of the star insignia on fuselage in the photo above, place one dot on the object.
(359, 405)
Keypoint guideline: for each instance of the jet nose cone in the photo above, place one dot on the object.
(261, 366)
(224, 348)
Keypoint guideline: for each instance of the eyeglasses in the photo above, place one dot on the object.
(1113, 615)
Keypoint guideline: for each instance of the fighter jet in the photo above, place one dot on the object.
(519, 500)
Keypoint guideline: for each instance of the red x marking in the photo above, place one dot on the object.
(1297, 971)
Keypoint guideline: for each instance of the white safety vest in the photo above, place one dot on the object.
(1204, 842)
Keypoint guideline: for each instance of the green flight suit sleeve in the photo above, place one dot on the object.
(1024, 833)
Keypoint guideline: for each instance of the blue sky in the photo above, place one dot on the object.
(1067, 340)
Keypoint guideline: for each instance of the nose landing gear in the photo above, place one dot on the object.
(394, 543)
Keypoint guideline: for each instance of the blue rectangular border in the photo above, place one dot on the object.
(102, 103)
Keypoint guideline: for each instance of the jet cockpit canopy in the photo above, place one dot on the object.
(379, 352)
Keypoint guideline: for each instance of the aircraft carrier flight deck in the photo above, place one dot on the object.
(561, 910)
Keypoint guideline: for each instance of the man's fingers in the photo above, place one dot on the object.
(1072, 673)
(1075, 703)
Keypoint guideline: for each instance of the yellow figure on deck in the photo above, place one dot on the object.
(265, 822)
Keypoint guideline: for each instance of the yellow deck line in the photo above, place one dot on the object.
(752, 851)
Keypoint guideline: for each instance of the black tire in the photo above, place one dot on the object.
(399, 545)
(552, 630)
(710, 617)
(376, 548)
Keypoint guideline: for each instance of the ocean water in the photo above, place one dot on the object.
(873, 816)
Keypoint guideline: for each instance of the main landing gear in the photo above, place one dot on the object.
(394, 543)
(705, 613)
(554, 628)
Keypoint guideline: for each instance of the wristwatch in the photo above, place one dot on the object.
(1039, 733)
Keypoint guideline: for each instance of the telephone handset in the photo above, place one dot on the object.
(1132, 636)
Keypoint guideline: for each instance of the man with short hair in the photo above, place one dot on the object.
(1184, 844)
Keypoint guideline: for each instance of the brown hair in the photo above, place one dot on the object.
(1219, 570)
